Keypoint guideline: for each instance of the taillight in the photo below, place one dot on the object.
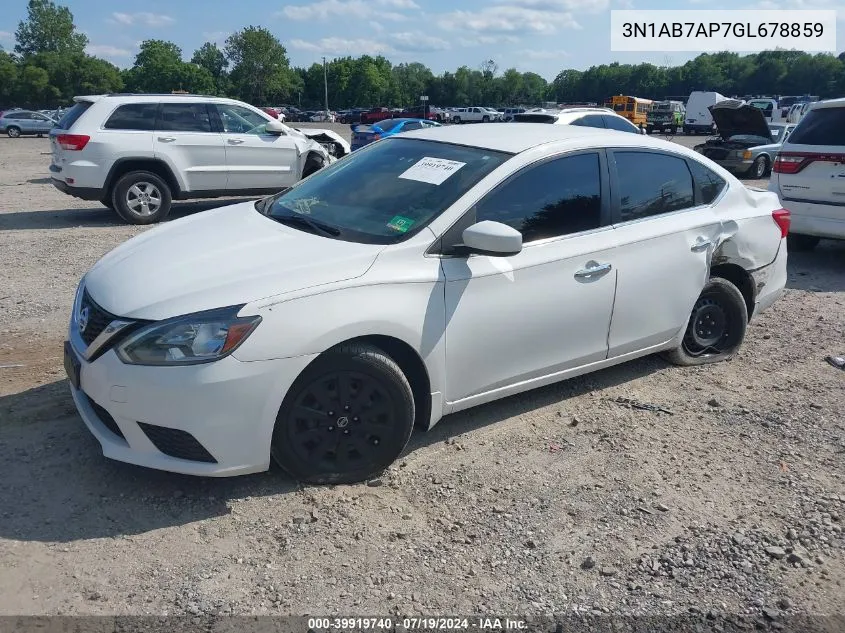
(793, 162)
(376, 137)
(72, 142)
(781, 218)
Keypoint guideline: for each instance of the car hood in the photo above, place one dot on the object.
(733, 117)
(219, 258)
(324, 136)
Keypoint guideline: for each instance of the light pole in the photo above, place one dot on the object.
(326, 85)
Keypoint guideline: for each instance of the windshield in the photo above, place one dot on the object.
(388, 124)
(750, 138)
(776, 131)
(385, 192)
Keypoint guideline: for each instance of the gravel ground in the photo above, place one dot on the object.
(564, 499)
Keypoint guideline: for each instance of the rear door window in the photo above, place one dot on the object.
(820, 126)
(651, 183)
(133, 116)
(618, 123)
(183, 117)
(590, 120)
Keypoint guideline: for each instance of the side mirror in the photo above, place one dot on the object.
(275, 127)
(492, 238)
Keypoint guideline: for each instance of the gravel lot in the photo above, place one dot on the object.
(565, 498)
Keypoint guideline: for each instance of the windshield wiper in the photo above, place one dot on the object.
(314, 226)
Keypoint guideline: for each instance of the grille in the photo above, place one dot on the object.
(98, 319)
(177, 443)
(106, 418)
(716, 154)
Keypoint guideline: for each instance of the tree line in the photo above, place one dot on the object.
(49, 66)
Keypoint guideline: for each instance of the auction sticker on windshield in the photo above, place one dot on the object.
(400, 223)
(431, 170)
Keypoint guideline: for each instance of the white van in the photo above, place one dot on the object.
(698, 118)
(769, 108)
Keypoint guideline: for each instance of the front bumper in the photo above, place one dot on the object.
(228, 407)
(738, 165)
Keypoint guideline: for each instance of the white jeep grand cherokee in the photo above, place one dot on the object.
(138, 153)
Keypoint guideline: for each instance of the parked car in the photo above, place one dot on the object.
(320, 325)
(746, 144)
(323, 117)
(666, 116)
(698, 118)
(17, 123)
(769, 108)
(475, 114)
(797, 111)
(365, 134)
(137, 153)
(374, 115)
(508, 113)
(587, 117)
(809, 175)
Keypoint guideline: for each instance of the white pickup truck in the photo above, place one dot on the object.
(475, 115)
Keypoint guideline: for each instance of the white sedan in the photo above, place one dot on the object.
(320, 325)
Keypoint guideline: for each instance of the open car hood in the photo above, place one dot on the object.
(734, 117)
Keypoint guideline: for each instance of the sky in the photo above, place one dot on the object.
(543, 36)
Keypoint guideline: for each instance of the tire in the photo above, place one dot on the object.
(758, 168)
(456, 120)
(134, 185)
(313, 163)
(107, 202)
(485, 119)
(716, 326)
(307, 437)
(649, 130)
(797, 242)
(13, 132)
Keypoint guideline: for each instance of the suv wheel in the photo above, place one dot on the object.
(141, 197)
(313, 164)
(14, 132)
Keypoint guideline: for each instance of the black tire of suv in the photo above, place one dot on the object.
(13, 132)
(122, 186)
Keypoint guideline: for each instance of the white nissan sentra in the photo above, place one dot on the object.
(424, 274)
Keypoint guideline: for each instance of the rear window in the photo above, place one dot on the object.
(535, 118)
(72, 116)
(821, 126)
(133, 116)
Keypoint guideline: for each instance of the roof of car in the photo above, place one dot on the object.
(830, 103)
(519, 137)
(148, 96)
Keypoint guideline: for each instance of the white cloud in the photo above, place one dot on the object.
(530, 53)
(332, 9)
(417, 42)
(557, 6)
(804, 5)
(216, 37)
(486, 40)
(342, 46)
(143, 18)
(508, 19)
(104, 50)
(6, 36)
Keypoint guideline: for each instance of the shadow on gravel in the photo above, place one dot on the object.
(55, 484)
(98, 216)
(819, 270)
(40, 181)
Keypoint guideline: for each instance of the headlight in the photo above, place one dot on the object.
(188, 340)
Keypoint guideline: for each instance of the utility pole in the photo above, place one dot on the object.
(326, 85)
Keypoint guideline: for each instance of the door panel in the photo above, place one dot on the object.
(664, 247)
(184, 136)
(517, 318)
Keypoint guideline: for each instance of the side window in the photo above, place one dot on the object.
(240, 120)
(710, 184)
(618, 123)
(23, 116)
(558, 197)
(651, 184)
(590, 120)
(133, 116)
(183, 117)
(411, 125)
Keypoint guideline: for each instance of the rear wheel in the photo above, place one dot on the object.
(13, 132)
(456, 119)
(716, 326)
(485, 119)
(141, 197)
(797, 242)
(346, 418)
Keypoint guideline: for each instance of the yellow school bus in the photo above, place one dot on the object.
(632, 108)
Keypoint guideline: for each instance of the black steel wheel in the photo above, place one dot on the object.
(716, 327)
(346, 418)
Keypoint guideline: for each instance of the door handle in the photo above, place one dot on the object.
(701, 244)
(593, 270)
(166, 139)
(235, 141)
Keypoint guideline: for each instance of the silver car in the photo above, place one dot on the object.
(17, 123)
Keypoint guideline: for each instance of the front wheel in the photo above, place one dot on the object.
(485, 119)
(313, 164)
(456, 120)
(14, 132)
(758, 168)
(346, 418)
(141, 197)
(716, 326)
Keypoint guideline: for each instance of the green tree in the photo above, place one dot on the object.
(159, 68)
(48, 28)
(260, 68)
(210, 57)
(72, 74)
(34, 87)
(8, 78)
